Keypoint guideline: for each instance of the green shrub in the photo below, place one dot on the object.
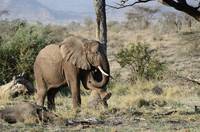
(114, 26)
(20, 43)
(7, 64)
(141, 61)
(18, 54)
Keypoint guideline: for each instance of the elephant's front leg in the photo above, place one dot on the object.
(75, 90)
(73, 79)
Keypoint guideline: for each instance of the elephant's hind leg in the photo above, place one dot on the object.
(51, 98)
(74, 84)
(41, 89)
(40, 96)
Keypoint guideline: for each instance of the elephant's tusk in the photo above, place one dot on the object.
(102, 71)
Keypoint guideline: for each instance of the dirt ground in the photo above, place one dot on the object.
(150, 113)
(136, 107)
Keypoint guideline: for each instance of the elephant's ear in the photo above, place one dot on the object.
(73, 50)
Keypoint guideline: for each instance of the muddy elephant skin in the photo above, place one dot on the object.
(68, 63)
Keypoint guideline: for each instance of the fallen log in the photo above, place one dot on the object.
(19, 85)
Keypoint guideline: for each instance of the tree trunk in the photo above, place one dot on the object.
(101, 30)
(101, 33)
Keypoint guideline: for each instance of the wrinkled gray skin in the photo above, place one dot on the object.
(27, 111)
(66, 64)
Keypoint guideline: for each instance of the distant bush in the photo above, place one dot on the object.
(20, 42)
(88, 22)
(141, 61)
(114, 26)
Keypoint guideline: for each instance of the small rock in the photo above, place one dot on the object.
(157, 90)
(197, 109)
(143, 102)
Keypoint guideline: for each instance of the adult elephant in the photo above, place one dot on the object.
(67, 63)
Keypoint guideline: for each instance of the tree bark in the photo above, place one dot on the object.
(101, 28)
(101, 34)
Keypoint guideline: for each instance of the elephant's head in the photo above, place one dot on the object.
(87, 55)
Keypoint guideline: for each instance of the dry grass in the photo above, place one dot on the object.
(131, 95)
(132, 99)
(31, 120)
(128, 98)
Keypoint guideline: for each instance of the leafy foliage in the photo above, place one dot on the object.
(141, 61)
(20, 43)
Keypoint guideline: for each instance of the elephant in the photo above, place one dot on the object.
(68, 63)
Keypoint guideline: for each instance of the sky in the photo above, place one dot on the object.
(193, 2)
(81, 6)
(84, 5)
(72, 5)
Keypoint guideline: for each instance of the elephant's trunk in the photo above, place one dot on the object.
(100, 78)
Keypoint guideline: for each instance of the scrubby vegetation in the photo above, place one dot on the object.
(141, 61)
(154, 99)
(20, 43)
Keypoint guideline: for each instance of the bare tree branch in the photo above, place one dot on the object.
(180, 5)
(183, 6)
(123, 4)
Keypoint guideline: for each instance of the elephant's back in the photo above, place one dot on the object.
(50, 53)
(48, 65)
